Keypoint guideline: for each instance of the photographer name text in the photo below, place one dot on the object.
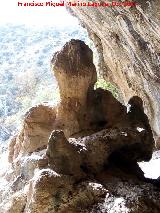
(76, 4)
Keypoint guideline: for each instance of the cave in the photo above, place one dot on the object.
(83, 154)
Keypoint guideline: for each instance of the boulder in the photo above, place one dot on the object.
(89, 155)
(46, 191)
(37, 126)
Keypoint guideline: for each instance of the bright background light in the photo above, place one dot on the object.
(55, 16)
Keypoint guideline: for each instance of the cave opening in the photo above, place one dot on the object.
(42, 154)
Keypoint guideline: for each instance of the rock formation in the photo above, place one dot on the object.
(90, 154)
(127, 39)
(81, 155)
(36, 128)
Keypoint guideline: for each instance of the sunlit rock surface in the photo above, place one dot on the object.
(127, 39)
(81, 155)
(36, 128)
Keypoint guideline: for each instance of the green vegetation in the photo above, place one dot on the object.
(101, 83)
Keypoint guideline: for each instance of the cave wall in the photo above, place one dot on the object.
(127, 39)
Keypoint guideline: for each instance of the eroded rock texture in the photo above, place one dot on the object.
(34, 133)
(127, 39)
(80, 156)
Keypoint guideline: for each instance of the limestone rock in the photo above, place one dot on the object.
(11, 148)
(127, 39)
(37, 126)
(127, 196)
(81, 110)
(94, 143)
(63, 156)
(74, 83)
(16, 204)
(105, 111)
(90, 154)
(46, 191)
